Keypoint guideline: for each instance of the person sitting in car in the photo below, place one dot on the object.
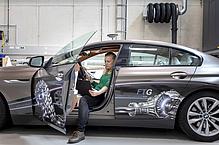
(95, 97)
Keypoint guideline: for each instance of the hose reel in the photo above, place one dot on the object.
(163, 12)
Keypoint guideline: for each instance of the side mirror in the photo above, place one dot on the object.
(36, 61)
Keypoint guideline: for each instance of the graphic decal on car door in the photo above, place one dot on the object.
(149, 85)
(43, 99)
(163, 105)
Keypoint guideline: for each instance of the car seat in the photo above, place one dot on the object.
(185, 60)
(175, 61)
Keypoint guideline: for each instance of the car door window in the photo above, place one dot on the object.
(71, 51)
(183, 58)
(148, 55)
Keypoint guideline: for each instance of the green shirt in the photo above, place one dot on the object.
(104, 81)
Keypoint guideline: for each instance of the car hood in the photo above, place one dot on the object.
(17, 72)
(18, 68)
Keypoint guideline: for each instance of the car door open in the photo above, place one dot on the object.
(53, 85)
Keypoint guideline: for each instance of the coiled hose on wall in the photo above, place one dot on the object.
(161, 12)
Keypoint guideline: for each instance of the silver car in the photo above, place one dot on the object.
(153, 84)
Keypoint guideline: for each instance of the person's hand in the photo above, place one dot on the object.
(94, 92)
(77, 67)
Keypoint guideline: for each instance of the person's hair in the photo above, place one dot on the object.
(113, 56)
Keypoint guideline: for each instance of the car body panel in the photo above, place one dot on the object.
(17, 78)
(143, 92)
(15, 85)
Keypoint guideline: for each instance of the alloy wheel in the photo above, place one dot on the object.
(203, 116)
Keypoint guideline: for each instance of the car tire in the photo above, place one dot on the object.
(162, 12)
(5, 120)
(150, 13)
(157, 13)
(168, 12)
(199, 116)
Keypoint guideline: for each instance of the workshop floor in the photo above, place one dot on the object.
(44, 135)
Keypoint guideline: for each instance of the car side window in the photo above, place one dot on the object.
(183, 58)
(148, 55)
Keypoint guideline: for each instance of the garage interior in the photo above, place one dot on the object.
(42, 27)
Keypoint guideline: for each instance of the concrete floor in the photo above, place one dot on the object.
(43, 135)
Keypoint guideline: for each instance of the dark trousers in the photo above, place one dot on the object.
(86, 102)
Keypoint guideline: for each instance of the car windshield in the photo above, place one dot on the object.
(71, 51)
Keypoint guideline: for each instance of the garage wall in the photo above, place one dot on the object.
(51, 24)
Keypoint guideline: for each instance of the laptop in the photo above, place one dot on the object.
(83, 87)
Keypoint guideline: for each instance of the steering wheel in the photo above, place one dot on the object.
(81, 73)
(90, 75)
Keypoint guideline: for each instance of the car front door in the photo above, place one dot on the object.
(53, 85)
(150, 83)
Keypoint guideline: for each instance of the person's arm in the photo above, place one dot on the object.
(95, 81)
(95, 93)
(77, 68)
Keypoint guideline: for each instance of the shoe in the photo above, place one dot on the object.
(76, 137)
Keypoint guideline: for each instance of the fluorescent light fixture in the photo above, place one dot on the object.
(145, 49)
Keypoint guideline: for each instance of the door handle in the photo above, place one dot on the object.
(179, 75)
(59, 76)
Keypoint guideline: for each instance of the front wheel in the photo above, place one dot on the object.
(199, 116)
(4, 114)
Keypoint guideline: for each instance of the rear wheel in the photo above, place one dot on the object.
(199, 116)
(4, 114)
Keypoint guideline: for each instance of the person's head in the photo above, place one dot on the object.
(109, 61)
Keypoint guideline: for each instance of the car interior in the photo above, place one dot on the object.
(81, 80)
(183, 58)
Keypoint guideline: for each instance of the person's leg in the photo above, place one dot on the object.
(82, 119)
(83, 113)
(84, 104)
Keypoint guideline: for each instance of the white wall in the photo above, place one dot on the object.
(56, 22)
